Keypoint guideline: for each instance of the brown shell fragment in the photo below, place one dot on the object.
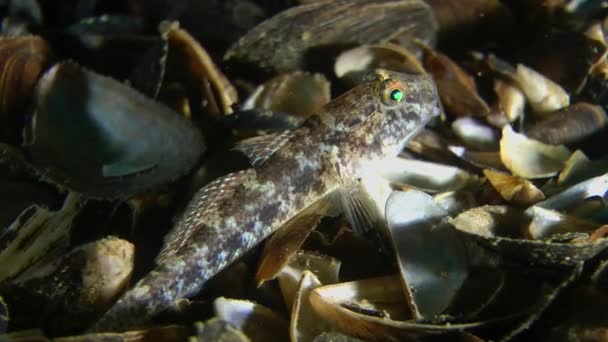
(457, 89)
(319, 27)
(372, 309)
(299, 93)
(190, 63)
(101, 144)
(22, 60)
(569, 125)
(514, 189)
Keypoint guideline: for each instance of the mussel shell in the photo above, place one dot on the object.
(22, 60)
(570, 125)
(105, 140)
(329, 26)
(191, 65)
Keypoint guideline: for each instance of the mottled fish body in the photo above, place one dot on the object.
(292, 170)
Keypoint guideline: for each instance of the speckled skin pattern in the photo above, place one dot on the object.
(233, 214)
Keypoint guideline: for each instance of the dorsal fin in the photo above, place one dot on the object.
(258, 149)
(203, 202)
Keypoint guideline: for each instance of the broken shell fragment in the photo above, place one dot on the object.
(362, 309)
(529, 158)
(502, 229)
(546, 223)
(218, 330)
(189, 64)
(324, 268)
(511, 100)
(426, 175)
(34, 234)
(22, 61)
(455, 202)
(256, 321)
(305, 324)
(596, 187)
(271, 48)
(577, 162)
(300, 94)
(569, 125)
(80, 284)
(579, 168)
(101, 144)
(431, 279)
(514, 189)
(544, 95)
(352, 65)
(482, 160)
(475, 134)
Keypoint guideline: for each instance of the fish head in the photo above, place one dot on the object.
(377, 118)
(404, 104)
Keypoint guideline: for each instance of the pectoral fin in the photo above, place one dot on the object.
(363, 201)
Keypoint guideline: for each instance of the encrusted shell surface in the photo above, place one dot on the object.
(332, 24)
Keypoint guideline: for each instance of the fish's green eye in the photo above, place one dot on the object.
(393, 92)
(396, 95)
